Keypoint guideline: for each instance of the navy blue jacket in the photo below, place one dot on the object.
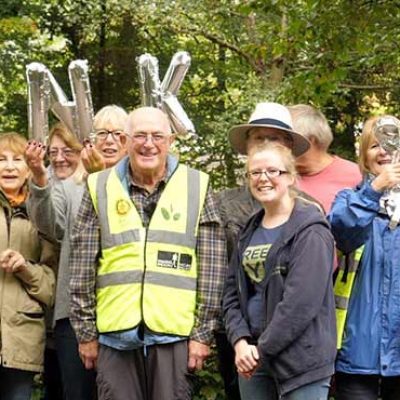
(299, 337)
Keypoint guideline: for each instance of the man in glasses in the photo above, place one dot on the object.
(147, 267)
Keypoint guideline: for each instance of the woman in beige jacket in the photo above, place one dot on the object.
(26, 283)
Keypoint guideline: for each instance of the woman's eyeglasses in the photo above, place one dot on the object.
(102, 134)
(269, 173)
(65, 152)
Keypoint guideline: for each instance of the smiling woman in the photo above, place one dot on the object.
(110, 139)
(26, 284)
(64, 151)
(281, 322)
(13, 169)
(367, 288)
(272, 174)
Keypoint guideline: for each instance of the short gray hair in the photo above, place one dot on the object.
(110, 114)
(311, 123)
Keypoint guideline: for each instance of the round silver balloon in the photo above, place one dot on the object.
(387, 132)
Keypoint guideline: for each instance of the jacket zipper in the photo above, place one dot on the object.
(8, 217)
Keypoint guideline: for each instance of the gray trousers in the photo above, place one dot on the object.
(160, 373)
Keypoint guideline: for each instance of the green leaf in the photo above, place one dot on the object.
(165, 213)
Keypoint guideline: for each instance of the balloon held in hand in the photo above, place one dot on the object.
(387, 133)
(44, 94)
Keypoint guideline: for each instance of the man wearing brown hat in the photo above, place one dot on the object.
(272, 122)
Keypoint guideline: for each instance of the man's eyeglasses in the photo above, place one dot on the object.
(269, 173)
(102, 134)
(156, 138)
(66, 152)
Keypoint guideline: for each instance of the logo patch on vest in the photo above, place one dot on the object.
(123, 207)
(166, 259)
(170, 214)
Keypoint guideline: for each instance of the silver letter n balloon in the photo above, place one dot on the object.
(44, 94)
(164, 95)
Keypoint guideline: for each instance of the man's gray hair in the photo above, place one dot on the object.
(311, 123)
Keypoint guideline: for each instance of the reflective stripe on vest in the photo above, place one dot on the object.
(343, 288)
(148, 275)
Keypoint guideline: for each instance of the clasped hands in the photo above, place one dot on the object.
(247, 358)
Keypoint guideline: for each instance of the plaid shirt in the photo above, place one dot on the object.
(86, 250)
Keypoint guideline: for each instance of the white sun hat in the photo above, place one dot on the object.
(268, 115)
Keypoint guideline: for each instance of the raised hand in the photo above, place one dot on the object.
(91, 158)
(34, 156)
(388, 177)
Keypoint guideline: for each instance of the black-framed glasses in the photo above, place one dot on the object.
(269, 173)
(66, 152)
(102, 134)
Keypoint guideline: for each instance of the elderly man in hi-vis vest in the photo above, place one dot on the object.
(147, 268)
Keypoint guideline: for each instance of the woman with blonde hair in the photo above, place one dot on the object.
(368, 362)
(26, 281)
(64, 151)
(53, 208)
(278, 300)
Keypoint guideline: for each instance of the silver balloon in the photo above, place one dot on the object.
(38, 102)
(149, 80)
(180, 122)
(82, 95)
(163, 95)
(387, 133)
(61, 107)
(46, 94)
(176, 72)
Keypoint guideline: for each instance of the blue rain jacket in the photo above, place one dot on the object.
(371, 343)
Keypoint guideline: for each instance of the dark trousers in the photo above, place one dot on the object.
(15, 384)
(52, 376)
(78, 382)
(227, 367)
(366, 387)
(157, 372)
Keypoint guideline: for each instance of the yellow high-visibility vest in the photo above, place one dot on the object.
(343, 288)
(148, 275)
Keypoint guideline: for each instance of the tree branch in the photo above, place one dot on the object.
(363, 87)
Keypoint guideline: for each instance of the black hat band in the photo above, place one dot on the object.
(270, 121)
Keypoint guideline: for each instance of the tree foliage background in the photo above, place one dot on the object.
(340, 55)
